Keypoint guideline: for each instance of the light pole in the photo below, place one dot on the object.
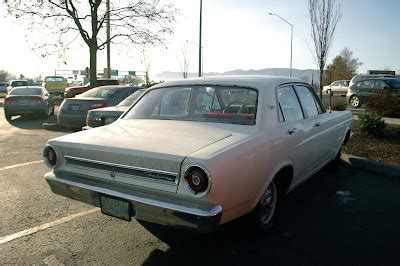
(291, 39)
(201, 18)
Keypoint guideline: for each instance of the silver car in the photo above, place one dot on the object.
(28, 100)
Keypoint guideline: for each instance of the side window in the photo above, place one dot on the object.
(308, 101)
(335, 83)
(367, 84)
(379, 84)
(289, 104)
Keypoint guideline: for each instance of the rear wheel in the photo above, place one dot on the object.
(265, 210)
(355, 101)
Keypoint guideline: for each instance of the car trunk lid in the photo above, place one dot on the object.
(143, 153)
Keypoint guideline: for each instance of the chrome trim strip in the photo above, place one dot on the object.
(128, 167)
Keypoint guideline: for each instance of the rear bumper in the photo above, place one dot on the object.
(70, 120)
(147, 207)
(17, 110)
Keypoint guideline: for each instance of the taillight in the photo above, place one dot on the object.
(37, 100)
(9, 100)
(197, 181)
(98, 105)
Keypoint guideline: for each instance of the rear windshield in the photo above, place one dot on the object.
(220, 104)
(99, 92)
(132, 98)
(54, 79)
(26, 91)
(18, 83)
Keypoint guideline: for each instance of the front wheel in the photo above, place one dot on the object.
(355, 101)
(265, 210)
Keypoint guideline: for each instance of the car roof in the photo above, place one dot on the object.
(254, 81)
(28, 87)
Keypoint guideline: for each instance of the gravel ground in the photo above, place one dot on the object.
(384, 149)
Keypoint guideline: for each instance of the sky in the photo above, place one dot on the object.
(236, 35)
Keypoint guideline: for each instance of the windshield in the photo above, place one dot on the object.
(132, 98)
(99, 92)
(220, 104)
(26, 91)
(394, 83)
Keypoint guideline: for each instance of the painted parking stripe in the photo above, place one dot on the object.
(43, 227)
(19, 165)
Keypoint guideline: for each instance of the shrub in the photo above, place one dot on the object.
(385, 103)
(371, 123)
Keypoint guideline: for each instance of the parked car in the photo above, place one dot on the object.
(197, 153)
(73, 111)
(16, 83)
(361, 77)
(107, 115)
(3, 87)
(362, 91)
(28, 100)
(55, 85)
(338, 87)
(73, 91)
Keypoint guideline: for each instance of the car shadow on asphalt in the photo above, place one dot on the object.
(315, 226)
(33, 122)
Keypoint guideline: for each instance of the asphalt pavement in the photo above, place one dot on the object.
(345, 217)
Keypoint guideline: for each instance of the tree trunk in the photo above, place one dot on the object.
(321, 75)
(93, 65)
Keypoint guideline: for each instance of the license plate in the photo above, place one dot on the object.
(23, 102)
(75, 107)
(115, 207)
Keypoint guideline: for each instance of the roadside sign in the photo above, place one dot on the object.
(131, 73)
(114, 72)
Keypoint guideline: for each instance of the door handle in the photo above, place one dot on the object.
(292, 131)
(317, 124)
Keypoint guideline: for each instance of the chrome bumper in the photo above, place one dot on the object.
(147, 207)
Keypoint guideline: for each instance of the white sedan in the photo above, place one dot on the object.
(338, 87)
(198, 153)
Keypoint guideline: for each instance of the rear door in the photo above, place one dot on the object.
(299, 132)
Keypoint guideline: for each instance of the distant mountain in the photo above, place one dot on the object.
(304, 74)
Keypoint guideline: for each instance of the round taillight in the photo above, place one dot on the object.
(50, 157)
(197, 181)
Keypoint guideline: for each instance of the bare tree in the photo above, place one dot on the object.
(134, 22)
(184, 60)
(324, 16)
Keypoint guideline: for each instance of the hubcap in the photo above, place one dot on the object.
(355, 101)
(268, 204)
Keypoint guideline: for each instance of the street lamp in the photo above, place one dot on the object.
(291, 39)
(200, 33)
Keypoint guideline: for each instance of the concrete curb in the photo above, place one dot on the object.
(371, 166)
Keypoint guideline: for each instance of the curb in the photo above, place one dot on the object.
(371, 166)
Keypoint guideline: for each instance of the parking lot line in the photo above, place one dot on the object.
(42, 227)
(19, 165)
